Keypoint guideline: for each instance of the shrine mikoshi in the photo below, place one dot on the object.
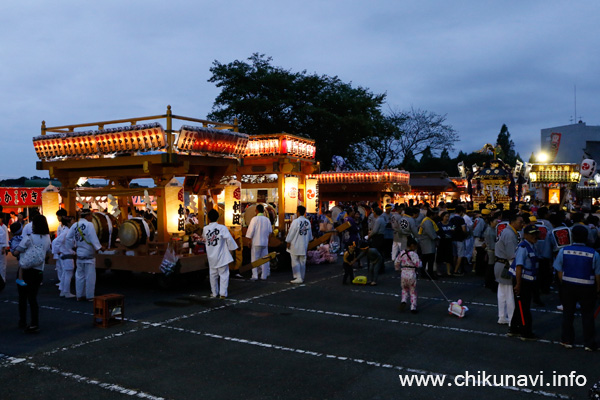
(384, 186)
(554, 183)
(134, 148)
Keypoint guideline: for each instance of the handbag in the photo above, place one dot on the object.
(169, 262)
(33, 256)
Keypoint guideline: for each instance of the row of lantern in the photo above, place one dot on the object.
(208, 140)
(350, 177)
(554, 176)
(127, 139)
(280, 145)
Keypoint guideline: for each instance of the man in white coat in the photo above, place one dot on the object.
(259, 231)
(219, 244)
(83, 234)
(298, 237)
(66, 255)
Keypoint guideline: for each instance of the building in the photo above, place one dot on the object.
(567, 144)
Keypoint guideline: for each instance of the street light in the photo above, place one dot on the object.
(542, 157)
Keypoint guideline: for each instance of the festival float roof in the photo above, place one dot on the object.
(361, 185)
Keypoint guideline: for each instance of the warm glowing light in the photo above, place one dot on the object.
(174, 207)
(50, 205)
(542, 157)
(291, 194)
(233, 204)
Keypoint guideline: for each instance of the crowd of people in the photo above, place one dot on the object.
(520, 254)
(73, 248)
(537, 249)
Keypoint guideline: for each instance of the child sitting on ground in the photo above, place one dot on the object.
(349, 260)
(15, 227)
(408, 261)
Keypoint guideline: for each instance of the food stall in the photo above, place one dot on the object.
(554, 183)
(432, 187)
(120, 151)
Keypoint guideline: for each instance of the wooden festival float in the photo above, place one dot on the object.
(120, 151)
(494, 185)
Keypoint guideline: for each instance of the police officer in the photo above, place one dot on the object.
(578, 269)
(524, 272)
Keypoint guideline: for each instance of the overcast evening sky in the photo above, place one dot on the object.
(481, 63)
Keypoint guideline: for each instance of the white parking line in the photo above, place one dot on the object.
(375, 364)
(444, 300)
(396, 321)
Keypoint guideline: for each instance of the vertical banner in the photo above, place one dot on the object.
(233, 204)
(291, 194)
(174, 207)
(554, 145)
(311, 196)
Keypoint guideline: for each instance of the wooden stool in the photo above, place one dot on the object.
(109, 310)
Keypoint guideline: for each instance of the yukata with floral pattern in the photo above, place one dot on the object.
(408, 261)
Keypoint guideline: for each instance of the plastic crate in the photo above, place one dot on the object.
(109, 310)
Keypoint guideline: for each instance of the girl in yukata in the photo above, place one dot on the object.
(408, 261)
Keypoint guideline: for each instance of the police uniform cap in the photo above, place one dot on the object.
(531, 230)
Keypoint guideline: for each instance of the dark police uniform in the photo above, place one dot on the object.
(527, 258)
(580, 265)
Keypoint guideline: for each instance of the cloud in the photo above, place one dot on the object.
(483, 64)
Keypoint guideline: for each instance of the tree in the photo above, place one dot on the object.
(405, 134)
(421, 129)
(268, 99)
(379, 150)
(507, 146)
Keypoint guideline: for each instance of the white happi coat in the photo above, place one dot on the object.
(299, 235)
(219, 244)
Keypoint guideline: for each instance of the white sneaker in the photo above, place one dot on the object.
(559, 307)
(253, 279)
(68, 295)
(297, 280)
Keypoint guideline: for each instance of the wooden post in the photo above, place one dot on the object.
(281, 201)
(161, 213)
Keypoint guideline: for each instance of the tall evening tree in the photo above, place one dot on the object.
(268, 99)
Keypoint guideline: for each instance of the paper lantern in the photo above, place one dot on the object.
(50, 205)
(311, 196)
(174, 207)
(233, 204)
(588, 168)
(291, 194)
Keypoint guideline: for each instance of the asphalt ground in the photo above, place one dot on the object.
(274, 340)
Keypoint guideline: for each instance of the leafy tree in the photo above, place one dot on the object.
(410, 162)
(268, 99)
(507, 146)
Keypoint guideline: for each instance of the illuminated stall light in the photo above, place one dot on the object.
(127, 139)
(311, 194)
(207, 140)
(352, 177)
(174, 207)
(50, 205)
(233, 204)
(290, 194)
(281, 144)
